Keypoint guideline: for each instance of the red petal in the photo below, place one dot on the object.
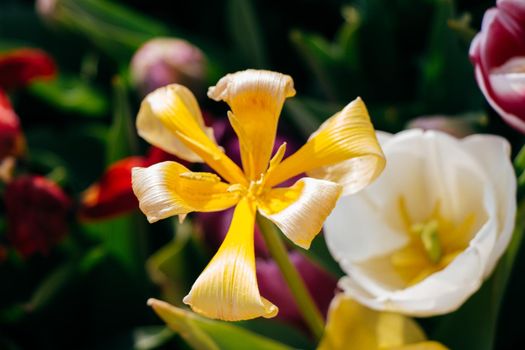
(112, 195)
(11, 140)
(20, 67)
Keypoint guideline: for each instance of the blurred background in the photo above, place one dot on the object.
(78, 260)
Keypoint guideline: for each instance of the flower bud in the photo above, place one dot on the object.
(21, 66)
(46, 9)
(498, 53)
(36, 214)
(320, 284)
(164, 61)
(458, 126)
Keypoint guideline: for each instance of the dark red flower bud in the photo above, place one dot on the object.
(36, 214)
(21, 66)
(112, 195)
(272, 286)
(498, 53)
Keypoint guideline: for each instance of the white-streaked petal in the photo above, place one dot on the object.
(256, 98)
(493, 154)
(227, 289)
(169, 188)
(170, 119)
(300, 211)
(344, 150)
(174, 102)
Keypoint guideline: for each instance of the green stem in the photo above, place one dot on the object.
(305, 303)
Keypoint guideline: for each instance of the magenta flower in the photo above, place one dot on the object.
(498, 53)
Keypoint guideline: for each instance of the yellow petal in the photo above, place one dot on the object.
(256, 98)
(427, 345)
(300, 211)
(344, 150)
(170, 118)
(353, 326)
(169, 188)
(227, 289)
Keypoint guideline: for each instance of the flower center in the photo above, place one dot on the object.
(432, 245)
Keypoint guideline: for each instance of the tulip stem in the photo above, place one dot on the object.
(305, 303)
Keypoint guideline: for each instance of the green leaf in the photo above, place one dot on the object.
(347, 38)
(279, 331)
(318, 54)
(307, 114)
(245, 33)
(122, 138)
(206, 334)
(168, 267)
(151, 337)
(51, 286)
(114, 28)
(124, 239)
(448, 84)
(72, 95)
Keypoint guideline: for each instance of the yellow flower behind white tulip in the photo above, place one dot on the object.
(353, 326)
(425, 235)
(343, 156)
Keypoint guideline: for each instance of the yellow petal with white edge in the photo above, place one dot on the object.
(169, 188)
(256, 98)
(227, 288)
(353, 326)
(344, 149)
(300, 210)
(170, 119)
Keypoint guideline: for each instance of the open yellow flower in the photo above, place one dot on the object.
(343, 156)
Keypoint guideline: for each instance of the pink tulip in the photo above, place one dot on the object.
(498, 53)
(319, 283)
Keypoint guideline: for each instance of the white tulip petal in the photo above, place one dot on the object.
(492, 153)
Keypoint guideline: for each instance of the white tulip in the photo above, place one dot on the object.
(424, 236)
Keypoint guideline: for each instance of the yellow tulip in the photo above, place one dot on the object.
(353, 326)
(342, 157)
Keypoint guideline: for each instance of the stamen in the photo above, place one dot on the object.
(208, 177)
(428, 233)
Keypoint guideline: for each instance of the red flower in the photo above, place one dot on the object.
(21, 66)
(11, 140)
(112, 195)
(498, 53)
(36, 214)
